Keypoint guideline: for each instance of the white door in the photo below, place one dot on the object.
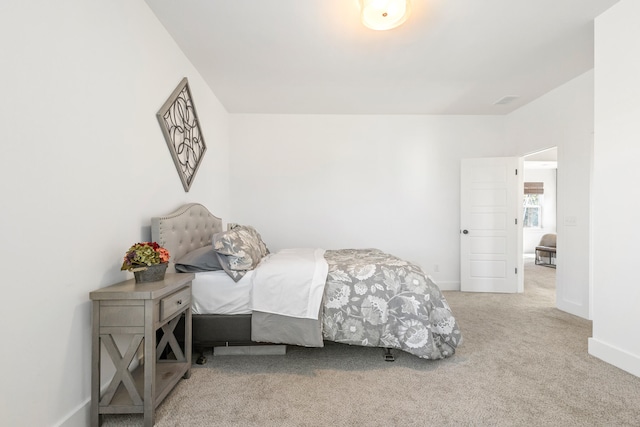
(490, 230)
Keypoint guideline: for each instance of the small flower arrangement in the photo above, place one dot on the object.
(144, 254)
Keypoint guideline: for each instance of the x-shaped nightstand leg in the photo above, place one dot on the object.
(122, 364)
(169, 338)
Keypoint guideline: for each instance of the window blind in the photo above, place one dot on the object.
(534, 188)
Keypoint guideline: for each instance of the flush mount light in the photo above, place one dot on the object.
(384, 14)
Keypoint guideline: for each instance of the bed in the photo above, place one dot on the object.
(245, 295)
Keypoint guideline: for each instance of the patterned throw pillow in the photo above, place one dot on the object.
(263, 247)
(239, 250)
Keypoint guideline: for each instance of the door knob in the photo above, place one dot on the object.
(465, 231)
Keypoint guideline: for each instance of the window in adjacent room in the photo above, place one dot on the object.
(533, 194)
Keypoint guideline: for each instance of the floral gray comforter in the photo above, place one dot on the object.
(378, 300)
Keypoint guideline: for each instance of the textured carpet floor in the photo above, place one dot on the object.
(522, 363)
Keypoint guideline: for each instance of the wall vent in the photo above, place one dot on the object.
(506, 100)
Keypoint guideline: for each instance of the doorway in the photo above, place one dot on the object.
(539, 207)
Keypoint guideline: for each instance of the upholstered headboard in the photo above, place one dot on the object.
(187, 228)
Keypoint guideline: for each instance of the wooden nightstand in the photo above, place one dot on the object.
(137, 312)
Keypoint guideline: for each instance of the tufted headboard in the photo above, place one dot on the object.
(187, 228)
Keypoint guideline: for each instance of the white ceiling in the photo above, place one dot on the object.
(450, 57)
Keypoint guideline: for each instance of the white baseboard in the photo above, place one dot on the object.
(447, 286)
(79, 417)
(577, 309)
(615, 356)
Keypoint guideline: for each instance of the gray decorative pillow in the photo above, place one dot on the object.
(202, 259)
(239, 250)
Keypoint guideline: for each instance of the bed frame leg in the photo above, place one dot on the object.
(202, 359)
(388, 357)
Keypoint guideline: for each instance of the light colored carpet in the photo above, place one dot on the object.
(522, 363)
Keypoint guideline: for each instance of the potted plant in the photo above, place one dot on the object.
(147, 261)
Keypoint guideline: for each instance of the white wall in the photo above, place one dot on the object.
(83, 168)
(563, 118)
(339, 181)
(532, 236)
(616, 302)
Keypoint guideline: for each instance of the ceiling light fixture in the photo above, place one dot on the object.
(384, 14)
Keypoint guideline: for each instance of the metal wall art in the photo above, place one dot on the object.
(181, 129)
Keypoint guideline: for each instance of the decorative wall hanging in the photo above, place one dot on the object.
(181, 129)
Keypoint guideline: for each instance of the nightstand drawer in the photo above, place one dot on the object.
(121, 314)
(175, 303)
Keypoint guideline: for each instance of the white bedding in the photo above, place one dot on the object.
(290, 283)
(214, 292)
